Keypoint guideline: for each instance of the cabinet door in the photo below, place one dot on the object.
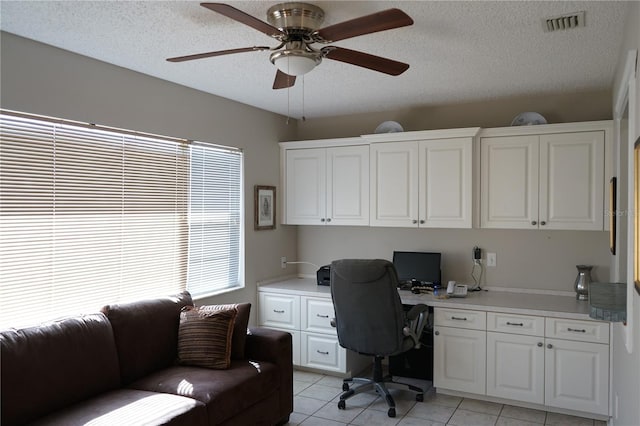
(459, 359)
(509, 182)
(348, 185)
(306, 186)
(577, 376)
(445, 191)
(571, 181)
(394, 184)
(515, 367)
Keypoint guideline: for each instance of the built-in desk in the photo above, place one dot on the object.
(528, 349)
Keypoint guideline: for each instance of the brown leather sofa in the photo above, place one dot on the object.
(118, 367)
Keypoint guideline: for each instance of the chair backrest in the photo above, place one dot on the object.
(369, 313)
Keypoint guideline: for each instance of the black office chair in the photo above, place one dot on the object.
(370, 320)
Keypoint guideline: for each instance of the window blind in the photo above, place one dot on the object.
(91, 216)
(215, 215)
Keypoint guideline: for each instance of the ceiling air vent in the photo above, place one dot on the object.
(563, 22)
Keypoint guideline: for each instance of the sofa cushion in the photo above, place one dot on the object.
(130, 407)
(204, 337)
(53, 365)
(146, 334)
(226, 393)
(238, 342)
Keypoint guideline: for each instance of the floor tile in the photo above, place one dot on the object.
(480, 406)
(334, 382)
(556, 419)
(318, 421)
(296, 418)
(410, 421)
(526, 414)
(331, 411)
(442, 399)
(299, 386)
(362, 400)
(305, 405)
(472, 418)
(438, 413)
(371, 417)
(324, 393)
(507, 421)
(306, 376)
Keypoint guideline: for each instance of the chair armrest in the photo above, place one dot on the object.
(417, 318)
(416, 310)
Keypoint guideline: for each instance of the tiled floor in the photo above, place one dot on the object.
(316, 404)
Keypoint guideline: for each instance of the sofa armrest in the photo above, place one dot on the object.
(274, 346)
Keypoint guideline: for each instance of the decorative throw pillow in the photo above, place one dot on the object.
(204, 337)
(239, 336)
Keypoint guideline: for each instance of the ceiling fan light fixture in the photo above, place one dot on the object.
(295, 62)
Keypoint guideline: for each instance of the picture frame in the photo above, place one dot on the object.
(636, 216)
(613, 214)
(264, 201)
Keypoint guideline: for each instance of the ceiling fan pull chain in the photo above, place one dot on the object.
(303, 117)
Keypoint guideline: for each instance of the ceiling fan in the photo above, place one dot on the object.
(296, 27)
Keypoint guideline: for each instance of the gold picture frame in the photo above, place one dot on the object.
(636, 216)
(264, 201)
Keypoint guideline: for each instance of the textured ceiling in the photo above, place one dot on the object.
(458, 51)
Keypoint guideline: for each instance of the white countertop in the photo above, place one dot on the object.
(491, 301)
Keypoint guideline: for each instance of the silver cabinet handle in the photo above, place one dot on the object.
(519, 324)
(422, 221)
(550, 346)
(543, 223)
(322, 220)
(539, 344)
(329, 219)
(322, 353)
(458, 319)
(278, 312)
(576, 330)
(437, 333)
(322, 316)
(414, 221)
(533, 222)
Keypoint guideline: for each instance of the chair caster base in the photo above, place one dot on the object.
(342, 405)
(391, 412)
(420, 397)
(345, 387)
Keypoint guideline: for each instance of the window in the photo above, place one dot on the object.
(91, 216)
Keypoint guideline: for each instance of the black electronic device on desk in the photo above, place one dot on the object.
(323, 275)
(417, 269)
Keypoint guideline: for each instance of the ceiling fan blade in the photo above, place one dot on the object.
(365, 60)
(283, 80)
(216, 53)
(244, 18)
(380, 21)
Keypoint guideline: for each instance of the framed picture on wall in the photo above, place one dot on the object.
(264, 207)
(636, 216)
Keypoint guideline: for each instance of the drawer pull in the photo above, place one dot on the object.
(278, 312)
(550, 346)
(458, 319)
(322, 353)
(437, 333)
(539, 344)
(519, 324)
(577, 330)
(322, 316)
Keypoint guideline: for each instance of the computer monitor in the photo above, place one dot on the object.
(419, 266)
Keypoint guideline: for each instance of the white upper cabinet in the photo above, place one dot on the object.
(543, 181)
(327, 186)
(422, 179)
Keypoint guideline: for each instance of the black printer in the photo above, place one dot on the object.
(323, 275)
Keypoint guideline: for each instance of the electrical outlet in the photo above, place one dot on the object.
(283, 262)
(491, 260)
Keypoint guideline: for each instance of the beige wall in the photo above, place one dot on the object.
(625, 365)
(41, 79)
(585, 106)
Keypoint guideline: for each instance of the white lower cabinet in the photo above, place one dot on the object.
(552, 362)
(315, 341)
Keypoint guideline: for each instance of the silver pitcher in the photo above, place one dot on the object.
(582, 282)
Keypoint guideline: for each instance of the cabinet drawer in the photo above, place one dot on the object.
(584, 331)
(322, 352)
(460, 318)
(319, 313)
(279, 311)
(515, 324)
